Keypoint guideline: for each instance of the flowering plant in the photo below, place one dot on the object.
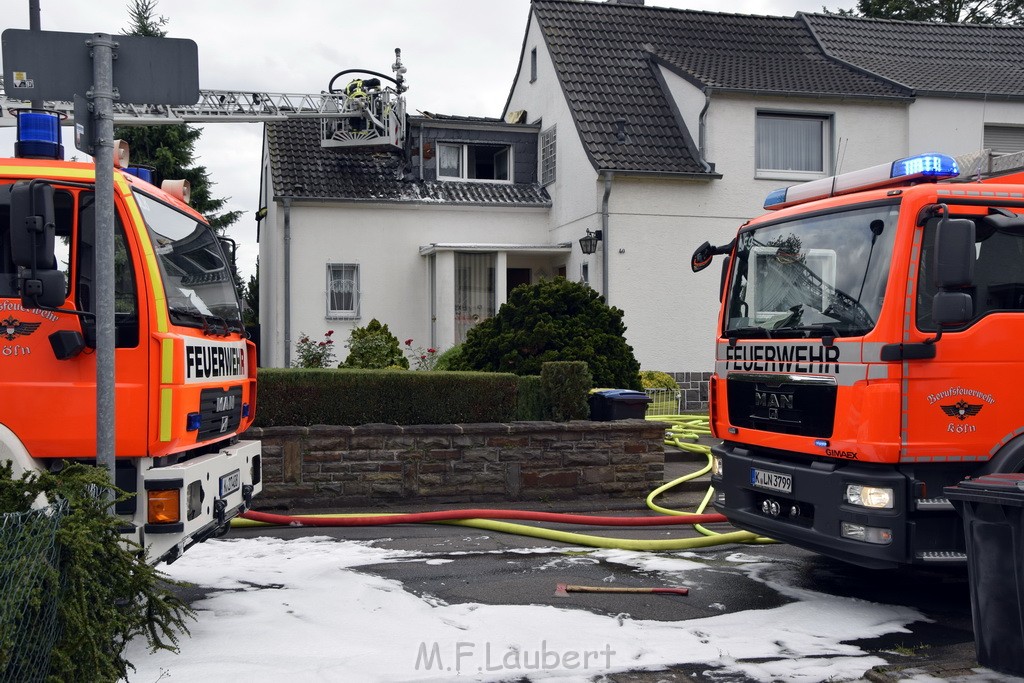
(311, 354)
(425, 359)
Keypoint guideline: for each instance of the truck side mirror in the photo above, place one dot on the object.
(47, 289)
(230, 249)
(952, 308)
(954, 253)
(954, 270)
(32, 224)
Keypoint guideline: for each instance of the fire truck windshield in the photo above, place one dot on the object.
(197, 278)
(821, 275)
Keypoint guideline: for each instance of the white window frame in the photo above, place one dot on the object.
(342, 313)
(464, 161)
(827, 125)
(548, 140)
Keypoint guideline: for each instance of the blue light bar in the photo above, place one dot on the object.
(775, 197)
(38, 135)
(194, 420)
(141, 172)
(245, 410)
(927, 167)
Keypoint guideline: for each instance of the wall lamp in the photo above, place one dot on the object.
(589, 242)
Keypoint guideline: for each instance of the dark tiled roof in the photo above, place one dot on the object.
(955, 59)
(602, 53)
(302, 168)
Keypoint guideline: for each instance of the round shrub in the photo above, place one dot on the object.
(655, 379)
(374, 348)
(450, 359)
(554, 320)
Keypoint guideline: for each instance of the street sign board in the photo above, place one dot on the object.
(56, 65)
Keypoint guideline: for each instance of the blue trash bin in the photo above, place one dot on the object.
(618, 404)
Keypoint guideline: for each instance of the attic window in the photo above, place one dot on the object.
(474, 162)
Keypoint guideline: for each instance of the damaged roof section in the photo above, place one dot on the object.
(302, 168)
(605, 54)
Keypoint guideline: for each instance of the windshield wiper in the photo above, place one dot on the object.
(206, 321)
(750, 331)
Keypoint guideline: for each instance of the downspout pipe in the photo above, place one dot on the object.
(287, 281)
(702, 132)
(608, 175)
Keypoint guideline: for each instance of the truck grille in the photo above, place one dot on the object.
(220, 411)
(786, 404)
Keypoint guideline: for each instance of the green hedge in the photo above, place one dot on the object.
(300, 397)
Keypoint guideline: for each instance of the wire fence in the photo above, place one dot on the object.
(29, 588)
(664, 402)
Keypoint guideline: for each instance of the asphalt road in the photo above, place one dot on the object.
(941, 647)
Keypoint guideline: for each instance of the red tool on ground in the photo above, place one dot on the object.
(563, 589)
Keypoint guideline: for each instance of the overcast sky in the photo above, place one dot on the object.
(461, 57)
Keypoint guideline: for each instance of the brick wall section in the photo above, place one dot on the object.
(694, 386)
(329, 466)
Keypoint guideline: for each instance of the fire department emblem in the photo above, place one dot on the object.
(962, 410)
(11, 328)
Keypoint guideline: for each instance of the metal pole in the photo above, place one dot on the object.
(34, 25)
(103, 115)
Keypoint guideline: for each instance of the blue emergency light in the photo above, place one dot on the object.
(38, 135)
(142, 172)
(928, 167)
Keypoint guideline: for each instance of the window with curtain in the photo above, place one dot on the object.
(474, 291)
(793, 145)
(342, 290)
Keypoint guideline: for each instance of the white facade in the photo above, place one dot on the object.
(651, 223)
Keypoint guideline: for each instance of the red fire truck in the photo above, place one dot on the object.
(185, 381)
(868, 355)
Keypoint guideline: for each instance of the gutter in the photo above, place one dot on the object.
(678, 175)
(419, 202)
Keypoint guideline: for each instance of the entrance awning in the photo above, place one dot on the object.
(561, 248)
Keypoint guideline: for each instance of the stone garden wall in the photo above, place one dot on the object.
(329, 466)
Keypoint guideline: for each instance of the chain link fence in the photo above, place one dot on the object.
(29, 588)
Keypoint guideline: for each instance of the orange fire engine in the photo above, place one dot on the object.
(868, 356)
(185, 381)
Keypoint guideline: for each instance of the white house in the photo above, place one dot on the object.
(660, 128)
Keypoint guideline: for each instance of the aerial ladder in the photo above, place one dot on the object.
(362, 113)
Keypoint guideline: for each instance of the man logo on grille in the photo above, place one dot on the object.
(962, 410)
(11, 327)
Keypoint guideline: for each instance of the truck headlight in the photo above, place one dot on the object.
(876, 497)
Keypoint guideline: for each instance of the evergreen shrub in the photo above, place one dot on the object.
(566, 386)
(554, 320)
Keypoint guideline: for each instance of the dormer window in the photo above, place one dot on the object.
(474, 162)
